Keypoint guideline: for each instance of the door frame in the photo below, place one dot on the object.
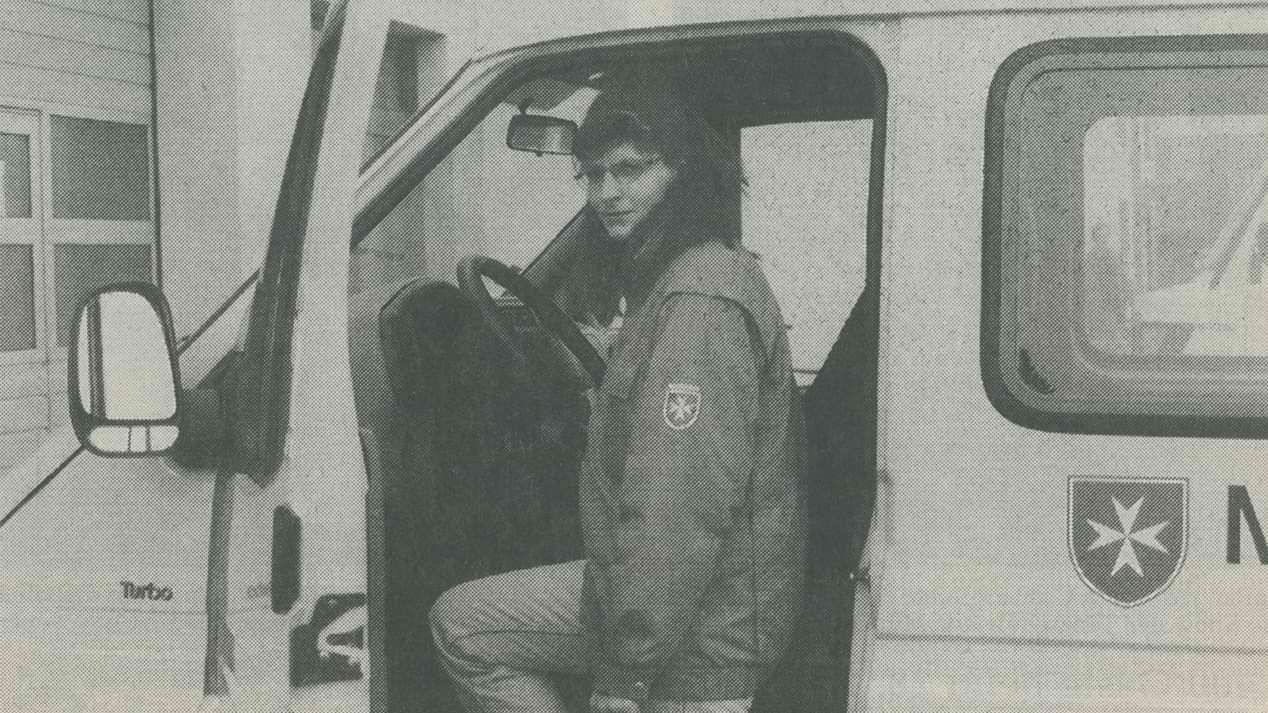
(423, 145)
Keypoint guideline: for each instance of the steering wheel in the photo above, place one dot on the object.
(472, 269)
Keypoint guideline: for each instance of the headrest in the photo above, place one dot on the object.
(415, 326)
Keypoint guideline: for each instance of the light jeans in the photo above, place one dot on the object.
(501, 637)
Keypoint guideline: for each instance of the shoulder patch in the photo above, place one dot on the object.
(682, 405)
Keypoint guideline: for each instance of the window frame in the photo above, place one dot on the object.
(514, 73)
(1001, 163)
(30, 122)
(513, 67)
(263, 386)
(83, 231)
(45, 364)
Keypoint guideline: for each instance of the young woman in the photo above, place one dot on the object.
(692, 495)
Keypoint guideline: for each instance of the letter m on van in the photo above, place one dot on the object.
(1239, 509)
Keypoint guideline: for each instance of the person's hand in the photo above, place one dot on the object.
(600, 703)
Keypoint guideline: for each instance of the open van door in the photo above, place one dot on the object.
(227, 569)
(287, 563)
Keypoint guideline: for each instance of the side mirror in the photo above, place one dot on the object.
(123, 378)
(541, 134)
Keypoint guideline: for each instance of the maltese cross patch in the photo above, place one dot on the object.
(682, 405)
(1128, 536)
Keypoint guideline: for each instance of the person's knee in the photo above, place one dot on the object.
(448, 616)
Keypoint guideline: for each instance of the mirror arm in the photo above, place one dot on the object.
(202, 429)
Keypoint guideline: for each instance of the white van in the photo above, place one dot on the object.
(1020, 247)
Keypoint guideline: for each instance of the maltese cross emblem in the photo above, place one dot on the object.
(682, 405)
(1127, 536)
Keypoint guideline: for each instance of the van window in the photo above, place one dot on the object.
(804, 213)
(1172, 262)
(483, 198)
(1126, 231)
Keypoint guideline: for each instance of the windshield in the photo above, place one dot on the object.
(484, 198)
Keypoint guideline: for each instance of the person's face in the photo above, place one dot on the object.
(624, 184)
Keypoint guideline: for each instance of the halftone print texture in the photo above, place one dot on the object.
(935, 367)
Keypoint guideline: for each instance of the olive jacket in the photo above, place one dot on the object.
(692, 487)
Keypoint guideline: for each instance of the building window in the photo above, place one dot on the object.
(17, 298)
(398, 79)
(411, 70)
(15, 175)
(20, 237)
(75, 214)
(99, 170)
(1126, 233)
(317, 14)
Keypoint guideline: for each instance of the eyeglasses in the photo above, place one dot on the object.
(623, 172)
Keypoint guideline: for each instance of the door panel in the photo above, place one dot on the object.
(295, 434)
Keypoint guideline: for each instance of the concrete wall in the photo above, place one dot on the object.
(229, 87)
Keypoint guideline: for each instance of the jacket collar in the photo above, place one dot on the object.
(645, 256)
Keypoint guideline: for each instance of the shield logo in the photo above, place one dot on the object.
(1127, 536)
(682, 405)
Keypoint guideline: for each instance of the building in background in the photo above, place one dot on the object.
(76, 208)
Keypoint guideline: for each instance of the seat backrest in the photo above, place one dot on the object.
(417, 328)
(369, 383)
(417, 325)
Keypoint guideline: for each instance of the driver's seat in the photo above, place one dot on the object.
(419, 329)
(466, 497)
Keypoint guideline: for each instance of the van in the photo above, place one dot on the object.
(1021, 251)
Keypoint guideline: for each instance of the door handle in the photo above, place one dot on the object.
(284, 569)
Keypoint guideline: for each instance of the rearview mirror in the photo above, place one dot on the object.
(541, 134)
(123, 378)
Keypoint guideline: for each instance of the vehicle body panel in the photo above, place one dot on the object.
(972, 574)
(73, 637)
(320, 479)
